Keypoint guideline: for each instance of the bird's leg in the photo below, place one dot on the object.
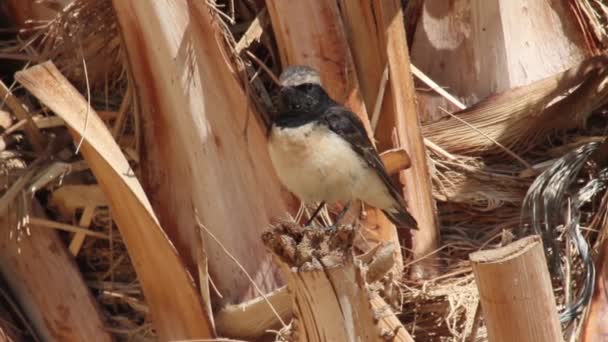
(339, 217)
(315, 214)
(343, 212)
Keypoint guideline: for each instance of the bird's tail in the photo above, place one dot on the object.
(401, 218)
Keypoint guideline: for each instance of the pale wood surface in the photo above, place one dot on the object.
(517, 116)
(516, 294)
(253, 318)
(175, 305)
(78, 238)
(388, 321)
(69, 197)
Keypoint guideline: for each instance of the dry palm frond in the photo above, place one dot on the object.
(518, 117)
(442, 307)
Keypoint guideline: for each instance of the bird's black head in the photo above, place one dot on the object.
(302, 99)
(301, 92)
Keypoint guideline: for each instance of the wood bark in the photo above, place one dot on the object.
(312, 33)
(378, 38)
(516, 294)
(331, 304)
(205, 151)
(47, 283)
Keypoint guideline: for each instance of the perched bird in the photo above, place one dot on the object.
(321, 152)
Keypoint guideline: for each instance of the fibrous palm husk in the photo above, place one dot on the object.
(520, 117)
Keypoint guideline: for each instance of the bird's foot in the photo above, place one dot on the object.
(331, 229)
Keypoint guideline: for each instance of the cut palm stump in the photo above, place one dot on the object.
(330, 296)
(515, 291)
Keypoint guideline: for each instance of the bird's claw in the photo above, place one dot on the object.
(331, 229)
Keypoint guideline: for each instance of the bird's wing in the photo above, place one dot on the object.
(348, 126)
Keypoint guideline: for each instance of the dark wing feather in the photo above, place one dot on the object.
(348, 126)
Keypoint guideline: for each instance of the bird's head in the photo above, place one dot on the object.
(301, 91)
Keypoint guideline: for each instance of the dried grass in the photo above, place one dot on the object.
(85, 29)
(108, 271)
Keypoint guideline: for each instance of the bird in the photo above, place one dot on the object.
(321, 152)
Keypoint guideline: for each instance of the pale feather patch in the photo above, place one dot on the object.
(316, 165)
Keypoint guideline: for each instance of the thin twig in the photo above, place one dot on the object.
(40, 222)
(436, 87)
(263, 66)
(86, 117)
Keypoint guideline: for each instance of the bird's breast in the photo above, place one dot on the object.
(315, 163)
